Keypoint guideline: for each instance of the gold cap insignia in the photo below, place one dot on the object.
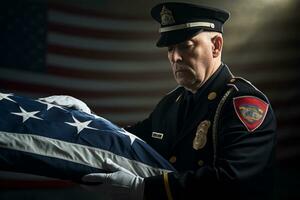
(166, 16)
(201, 135)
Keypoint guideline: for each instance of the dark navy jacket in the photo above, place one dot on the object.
(221, 140)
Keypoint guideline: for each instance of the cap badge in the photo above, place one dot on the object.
(166, 16)
(201, 135)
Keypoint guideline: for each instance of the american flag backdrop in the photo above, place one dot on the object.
(108, 59)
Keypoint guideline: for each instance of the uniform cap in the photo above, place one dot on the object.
(182, 21)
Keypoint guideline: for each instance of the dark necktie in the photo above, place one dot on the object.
(186, 108)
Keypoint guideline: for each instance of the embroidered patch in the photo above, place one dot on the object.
(251, 111)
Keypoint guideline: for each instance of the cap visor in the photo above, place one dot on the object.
(176, 37)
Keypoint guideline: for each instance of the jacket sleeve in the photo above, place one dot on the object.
(243, 168)
(245, 157)
(141, 129)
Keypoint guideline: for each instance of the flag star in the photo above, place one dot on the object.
(6, 96)
(50, 105)
(130, 135)
(26, 115)
(80, 125)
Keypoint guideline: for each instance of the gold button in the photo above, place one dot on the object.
(212, 96)
(173, 159)
(232, 80)
(200, 163)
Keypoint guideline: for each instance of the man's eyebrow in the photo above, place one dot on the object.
(186, 42)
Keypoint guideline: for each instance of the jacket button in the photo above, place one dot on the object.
(200, 163)
(212, 96)
(173, 159)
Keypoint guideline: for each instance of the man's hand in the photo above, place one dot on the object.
(121, 183)
(67, 101)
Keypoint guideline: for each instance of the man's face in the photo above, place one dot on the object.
(192, 60)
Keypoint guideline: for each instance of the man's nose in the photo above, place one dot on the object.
(175, 55)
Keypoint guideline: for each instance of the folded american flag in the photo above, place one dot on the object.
(49, 140)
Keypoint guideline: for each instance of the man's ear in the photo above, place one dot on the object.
(217, 41)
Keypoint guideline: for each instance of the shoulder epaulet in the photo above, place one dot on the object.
(243, 86)
(240, 83)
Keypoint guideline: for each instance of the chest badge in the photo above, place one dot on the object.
(201, 135)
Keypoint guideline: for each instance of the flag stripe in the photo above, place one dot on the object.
(77, 10)
(100, 23)
(75, 153)
(105, 75)
(123, 35)
(101, 44)
(263, 78)
(112, 66)
(103, 55)
(79, 84)
(106, 93)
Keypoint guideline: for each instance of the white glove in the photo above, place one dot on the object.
(67, 101)
(121, 183)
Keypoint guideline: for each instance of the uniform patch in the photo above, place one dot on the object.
(251, 111)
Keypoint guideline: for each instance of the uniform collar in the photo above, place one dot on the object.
(221, 74)
(203, 105)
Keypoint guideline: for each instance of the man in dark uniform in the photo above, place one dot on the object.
(216, 129)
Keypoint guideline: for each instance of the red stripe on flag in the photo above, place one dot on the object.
(101, 34)
(76, 10)
(50, 90)
(105, 55)
(105, 75)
